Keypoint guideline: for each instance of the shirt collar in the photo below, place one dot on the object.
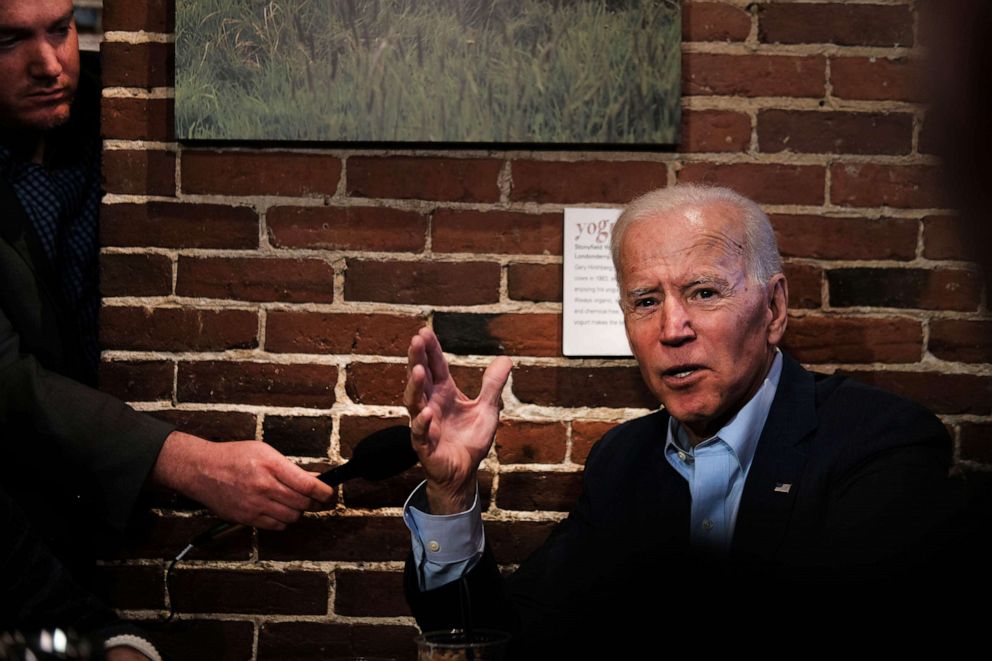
(742, 432)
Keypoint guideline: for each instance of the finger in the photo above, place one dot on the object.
(494, 379)
(419, 429)
(266, 522)
(281, 513)
(416, 354)
(316, 506)
(301, 482)
(414, 397)
(435, 356)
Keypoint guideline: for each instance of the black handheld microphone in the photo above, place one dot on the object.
(378, 456)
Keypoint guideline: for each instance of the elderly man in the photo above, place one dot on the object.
(72, 454)
(755, 473)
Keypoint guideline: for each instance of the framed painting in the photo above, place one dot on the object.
(479, 71)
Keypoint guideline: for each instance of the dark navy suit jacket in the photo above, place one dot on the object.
(846, 493)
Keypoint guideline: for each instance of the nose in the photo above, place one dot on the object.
(676, 324)
(45, 62)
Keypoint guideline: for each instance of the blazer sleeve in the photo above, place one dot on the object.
(107, 439)
(551, 594)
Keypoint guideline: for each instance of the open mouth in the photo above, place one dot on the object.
(681, 371)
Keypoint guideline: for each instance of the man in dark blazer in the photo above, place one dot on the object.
(71, 455)
(830, 485)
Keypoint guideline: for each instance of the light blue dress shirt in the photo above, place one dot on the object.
(447, 546)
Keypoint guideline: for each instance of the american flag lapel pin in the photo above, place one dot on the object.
(782, 487)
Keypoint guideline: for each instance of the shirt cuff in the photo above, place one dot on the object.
(445, 546)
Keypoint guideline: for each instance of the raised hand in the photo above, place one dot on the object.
(451, 433)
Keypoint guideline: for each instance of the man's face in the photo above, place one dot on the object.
(702, 331)
(39, 63)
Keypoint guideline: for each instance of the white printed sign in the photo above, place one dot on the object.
(593, 322)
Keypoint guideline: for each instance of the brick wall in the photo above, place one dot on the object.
(269, 292)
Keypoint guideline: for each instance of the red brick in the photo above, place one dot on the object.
(158, 535)
(206, 640)
(538, 491)
(347, 228)
(259, 173)
(298, 435)
(944, 238)
(383, 383)
(249, 591)
(149, 64)
(854, 340)
(874, 185)
(618, 387)
(137, 119)
(173, 225)
(875, 79)
(948, 289)
(338, 538)
(715, 131)
(835, 23)
(585, 434)
(768, 183)
(513, 541)
(369, 593)
(961, 340)
(423, 283)
(805, 285)
(139, 172)
(251, 279)
(150, 15)
(821, 132)
(130, 587)
(585, 181)
(714, 21)
(454, 230)
(355, 428)
(976, 442)
(939, 392)
(498, 334)
(376, 383)
(301, 641)
(336, 333)
(753, 75)
(177, 329)
(212, 425)
(135, 275)
(822, 237)
(932, 136)
(136, 381)
(521, 442)
(534, 282)
(410, 177)
(272, 384)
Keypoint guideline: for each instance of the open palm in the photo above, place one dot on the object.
(451, 433)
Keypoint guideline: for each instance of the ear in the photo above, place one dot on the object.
(778, 307)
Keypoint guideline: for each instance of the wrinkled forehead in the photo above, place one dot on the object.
(713, 232)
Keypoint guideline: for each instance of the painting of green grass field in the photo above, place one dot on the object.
(503, 71)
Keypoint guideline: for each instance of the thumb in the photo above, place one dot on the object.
(494, 380)
(303, 482)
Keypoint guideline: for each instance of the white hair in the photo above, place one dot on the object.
(760, 248)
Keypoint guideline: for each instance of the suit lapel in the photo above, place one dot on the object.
(777, 467)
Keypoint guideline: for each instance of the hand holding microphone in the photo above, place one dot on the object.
(376, 457)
